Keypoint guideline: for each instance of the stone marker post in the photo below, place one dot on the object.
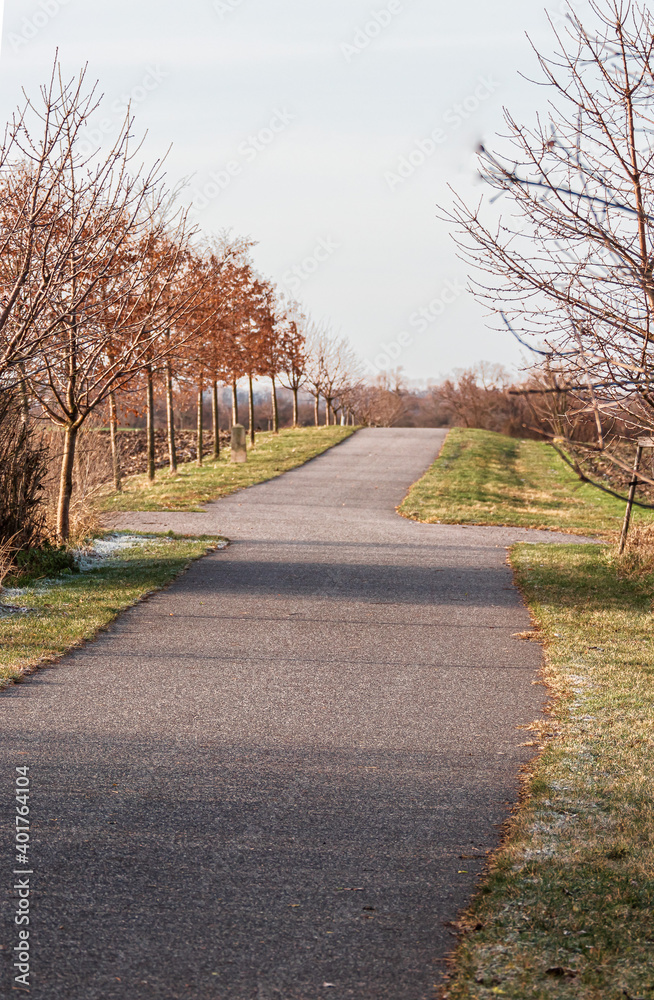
(239, 447)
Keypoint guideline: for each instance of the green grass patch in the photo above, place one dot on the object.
(566, 911)
(194, 485)
(72, 607)
(485, 478)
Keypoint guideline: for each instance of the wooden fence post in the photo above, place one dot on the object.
(642, 443)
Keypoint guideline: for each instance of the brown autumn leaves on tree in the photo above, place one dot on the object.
(83, 266)
(105, 290)
(569, 265)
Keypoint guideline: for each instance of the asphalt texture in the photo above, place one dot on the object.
(278, 779)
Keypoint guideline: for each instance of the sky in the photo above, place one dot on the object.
(329, 131)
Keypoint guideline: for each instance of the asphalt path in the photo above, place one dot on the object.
(278, 779)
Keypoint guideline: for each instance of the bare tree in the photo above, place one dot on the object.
(380, 404)
(340, 372)
(571, 268)
(317, 346)
(479, 396)
(35, 159)
(230, 271)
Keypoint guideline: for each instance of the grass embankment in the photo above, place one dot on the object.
(486, 478)
(567, 908)
(194, 485)
(72, 607)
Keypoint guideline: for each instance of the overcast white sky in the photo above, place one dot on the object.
(290, 117)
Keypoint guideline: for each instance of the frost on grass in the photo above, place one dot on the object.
(72, 608)
(13, 609)
(567, 909)
(102, 551)
(107, 548)
(98, 553)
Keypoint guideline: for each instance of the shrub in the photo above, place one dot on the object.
(23, 469)
(45, 561)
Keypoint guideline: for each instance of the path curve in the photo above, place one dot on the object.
(259, 784)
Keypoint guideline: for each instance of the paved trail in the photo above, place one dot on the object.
(261, 781)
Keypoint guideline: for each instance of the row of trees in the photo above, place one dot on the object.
(270, 339)
(106, 288)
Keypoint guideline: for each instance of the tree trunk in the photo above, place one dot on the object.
(275, 409)
(295, 408)
(327, 412)
(170, 418)
(24, 399)
(251, 409)
(149, 424)
(316, 409)
(215, 420)
(630, 500)
(113, 435)
(200, 425)
(66, 483)
(234, 404)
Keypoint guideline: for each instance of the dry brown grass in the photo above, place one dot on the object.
(7, 552)
(92, 471)
(637, 560)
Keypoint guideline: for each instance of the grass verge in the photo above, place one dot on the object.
(72, 608)
(194, 485)
(485, 478)
(566, 911)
